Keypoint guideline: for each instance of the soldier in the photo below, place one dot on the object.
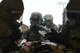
(36, 22)
(50, 27)
(48, 21)
(72, 26)
(33, 33)
(10, 11)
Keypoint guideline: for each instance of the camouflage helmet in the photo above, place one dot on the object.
(48, 17)
(36, 15)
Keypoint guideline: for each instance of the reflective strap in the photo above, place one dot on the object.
(16, 11)
(73, 11)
